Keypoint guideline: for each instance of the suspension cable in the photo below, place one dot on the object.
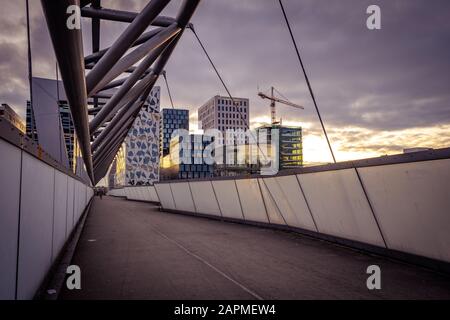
(307, 80)
(228, 91)
(168, 89)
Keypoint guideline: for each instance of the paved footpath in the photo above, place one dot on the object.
(131, 250)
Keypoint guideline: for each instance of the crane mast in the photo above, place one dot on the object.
(272, 108)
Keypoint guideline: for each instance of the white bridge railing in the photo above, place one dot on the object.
(40, 204)
(400, 203)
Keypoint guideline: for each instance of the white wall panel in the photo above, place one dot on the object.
(339, 206)
(251, 200)
(165, 195)
(153, 194)
(290, 201)
(85, 188)
(76, 202)
(127, 191)
(76, 207)
(141, 194)
(182, 196)
(146, 193)
(70, 206)
(411, 202)
(137, 193)
(79, 202)
(271, 207)
(59, 212)
(82, 195)
(204, 198)
(228, 198)
(131, 193)
(36, 224)
(9, 217)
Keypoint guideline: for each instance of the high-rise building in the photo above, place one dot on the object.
(172, 119)
(186, 160)
(232, 120)
(220, 113)
(142, 144)
(8, 113)
(49, 122)
(68, 129)
(290, 146)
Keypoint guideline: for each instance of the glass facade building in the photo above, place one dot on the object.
(290, 147)
(172, 119)
(185, 160)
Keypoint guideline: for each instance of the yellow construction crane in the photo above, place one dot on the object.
(274, 99)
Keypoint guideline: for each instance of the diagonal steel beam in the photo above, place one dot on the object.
(117, 122)
(112, 105)
(115, 140)
(103, 164)
(100, 53)
(68, 48)
(119, 82)
(141, 101)
(123, 16)
(137, 54)
(124, 42)
(107, 148)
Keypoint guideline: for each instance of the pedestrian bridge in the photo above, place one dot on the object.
(299, 242)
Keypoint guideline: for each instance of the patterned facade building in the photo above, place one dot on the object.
(142, 144)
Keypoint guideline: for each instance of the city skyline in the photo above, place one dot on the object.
(379, 91)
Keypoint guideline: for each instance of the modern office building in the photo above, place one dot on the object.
(8, 113)
(49, 122)
(220, 113)
(171, 119)
(142, 144)
(290, 146)
(185, 160)
(67, 128)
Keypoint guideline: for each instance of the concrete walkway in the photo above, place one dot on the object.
(130, 250)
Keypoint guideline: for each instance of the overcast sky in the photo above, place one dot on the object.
(379, 91)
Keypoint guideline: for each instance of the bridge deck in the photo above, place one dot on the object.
(130, 250)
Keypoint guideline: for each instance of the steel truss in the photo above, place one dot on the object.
(114, 113)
